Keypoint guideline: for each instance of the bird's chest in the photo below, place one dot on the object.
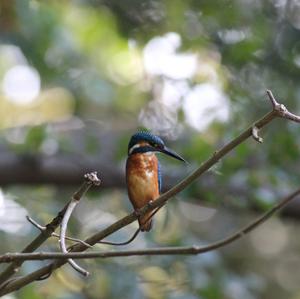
(142, 176)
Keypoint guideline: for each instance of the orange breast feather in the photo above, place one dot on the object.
(142, 183)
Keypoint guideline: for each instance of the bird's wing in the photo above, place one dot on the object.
(159, 176)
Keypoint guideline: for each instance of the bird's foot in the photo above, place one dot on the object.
(150, 203)
(137, 212)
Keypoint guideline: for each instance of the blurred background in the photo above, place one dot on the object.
(78, 78)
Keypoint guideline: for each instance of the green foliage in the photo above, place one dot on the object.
(34, 138)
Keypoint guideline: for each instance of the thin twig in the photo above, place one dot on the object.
(37, 225)
(19, 283)
(91, 179)
(134, 235)
(62, 243)
(43, 228)
(121, 243)
(184, 250)
(274, 103)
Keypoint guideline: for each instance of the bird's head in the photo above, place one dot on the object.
(146, 142)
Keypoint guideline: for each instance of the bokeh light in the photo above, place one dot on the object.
(204, 104)
(21, 84)
(161, 58)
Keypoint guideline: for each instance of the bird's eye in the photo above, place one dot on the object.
(156, 145)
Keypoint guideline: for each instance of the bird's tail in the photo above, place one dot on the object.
(146, 222)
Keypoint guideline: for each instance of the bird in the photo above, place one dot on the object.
(143, 172)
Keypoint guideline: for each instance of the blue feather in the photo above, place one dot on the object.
(145, 136)
(159, 175)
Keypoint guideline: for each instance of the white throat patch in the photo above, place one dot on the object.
(133, 148)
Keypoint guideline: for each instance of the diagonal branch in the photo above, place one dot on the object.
(273, 114)
(184, 250)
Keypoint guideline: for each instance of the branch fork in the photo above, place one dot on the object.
(281, 110)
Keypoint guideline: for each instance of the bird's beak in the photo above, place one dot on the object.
(171, 153)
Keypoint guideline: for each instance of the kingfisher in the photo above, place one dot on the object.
(143, 173)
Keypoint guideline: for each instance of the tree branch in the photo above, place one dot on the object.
(276, 112)
(281, 110)
(59, 169)
(91, 179)
(42, 237)
(184, 250)
(43, 228)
